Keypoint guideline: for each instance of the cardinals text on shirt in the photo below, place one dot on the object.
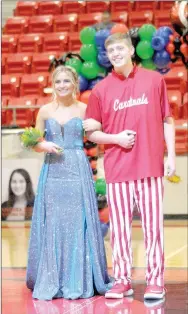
(130, 103)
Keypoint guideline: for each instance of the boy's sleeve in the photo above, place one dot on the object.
(93, 109)
(165, 106)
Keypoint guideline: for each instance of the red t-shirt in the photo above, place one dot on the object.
(137, 103)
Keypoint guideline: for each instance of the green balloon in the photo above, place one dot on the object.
(88, 52)
(74, 63)
(90, 70)
(87, 35)
(146, 32)
(148, 64)
(102, 71)
(144, 49)
(100, 186)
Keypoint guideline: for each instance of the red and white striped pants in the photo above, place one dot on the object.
(148, 195)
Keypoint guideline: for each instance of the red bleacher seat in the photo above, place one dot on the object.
(41, 101)
(140, 18)
(18, 63)
(74, 7)
(74, 43)
(26, 8)
(166, 5)
(176, 79)
(40, 24)
(50, 7)
(65, 23)
(120, 17)
(10, 85)
(16, 25)
(4, 101)
(146, 5)
(120, 6)
(175, 100)
(41, 61)
(33, 84)
(20, 117)
(56, 42)
(9, 43)
(88, 19)
(162, 18)
(3, 63)
(97, 6)
(30, 43)
(184, 108)
(22, 101)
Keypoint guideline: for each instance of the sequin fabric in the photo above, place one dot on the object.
(66, 255)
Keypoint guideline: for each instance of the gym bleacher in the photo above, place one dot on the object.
(41, 30)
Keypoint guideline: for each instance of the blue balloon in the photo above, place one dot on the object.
(164, 32)
(83, 83)
(161, 59)
(103, 60)
(101, 36)
(163, 71)
(158, 43)
(92, 83)
(104, 228)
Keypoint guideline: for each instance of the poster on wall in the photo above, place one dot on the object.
(20, 173)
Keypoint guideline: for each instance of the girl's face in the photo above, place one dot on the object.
(63, 85)
(18, 184)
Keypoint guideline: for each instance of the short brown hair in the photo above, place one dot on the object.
(118, 37)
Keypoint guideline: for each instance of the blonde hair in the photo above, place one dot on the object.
(118, 37)
(71, 73)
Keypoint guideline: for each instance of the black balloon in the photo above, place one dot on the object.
(133, 33)
(102, 201)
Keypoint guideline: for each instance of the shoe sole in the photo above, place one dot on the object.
(119, 295)
(154, 296)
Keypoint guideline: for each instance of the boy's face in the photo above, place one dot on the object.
(120, 53)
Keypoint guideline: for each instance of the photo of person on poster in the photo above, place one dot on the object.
(20, 197)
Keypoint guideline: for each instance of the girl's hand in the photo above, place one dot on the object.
(91, 125)
(48, 147)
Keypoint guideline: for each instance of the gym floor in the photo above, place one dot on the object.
(17, 299)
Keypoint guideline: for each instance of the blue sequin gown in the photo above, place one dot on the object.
(66, 251)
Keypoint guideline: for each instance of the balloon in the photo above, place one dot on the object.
(84, 97)
(87, 35)
(94, 82)
(144, 49)
(133, 33)
(100, 186)
(158, 43)
(104, 228)
(164, 70)
(103, 60)
(184, 50)
(146, 32)
(74, 63)
(119, 28)
(88, 52)
(178, 16)
(164, 32)
(90, 70)
(148, 64)
(102, 72)
(83, 83)
(101, 201)
(104, 215)
(161, 59)
(100, 38)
